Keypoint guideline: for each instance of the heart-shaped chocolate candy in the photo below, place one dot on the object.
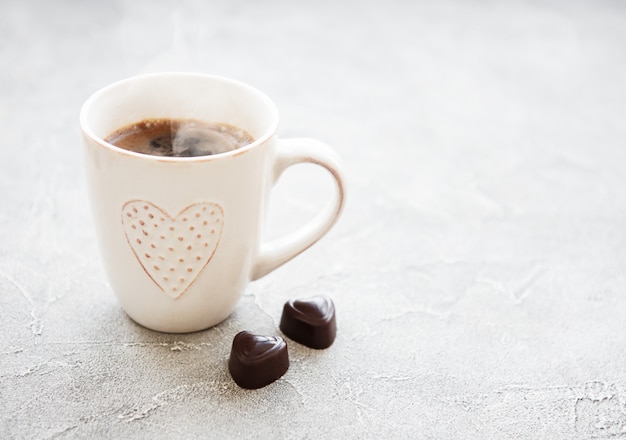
(256, 360)
(310, 321)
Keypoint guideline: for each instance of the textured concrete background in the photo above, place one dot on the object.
(479, 271)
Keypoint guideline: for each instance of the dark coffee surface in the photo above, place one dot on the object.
(179, 137)
(310, 321)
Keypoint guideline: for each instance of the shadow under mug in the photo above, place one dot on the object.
(181, 237)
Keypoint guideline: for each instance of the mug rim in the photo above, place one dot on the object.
(86, 107)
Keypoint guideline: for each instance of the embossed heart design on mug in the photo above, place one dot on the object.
(173, 251)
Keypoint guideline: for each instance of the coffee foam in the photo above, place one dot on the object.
(195, 139)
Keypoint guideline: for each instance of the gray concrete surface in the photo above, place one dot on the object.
(479, 271)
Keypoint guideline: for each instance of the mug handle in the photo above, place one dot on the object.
(291, 152)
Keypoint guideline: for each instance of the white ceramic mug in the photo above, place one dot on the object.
(181, 237)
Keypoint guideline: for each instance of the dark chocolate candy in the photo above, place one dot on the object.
(256, 361)
(310, 321)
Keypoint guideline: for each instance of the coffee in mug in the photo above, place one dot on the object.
(179, 137)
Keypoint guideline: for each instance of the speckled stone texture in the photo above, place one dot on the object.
(478, 272)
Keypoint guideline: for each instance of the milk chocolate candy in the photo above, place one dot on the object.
(256, 361)
(310, 321)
